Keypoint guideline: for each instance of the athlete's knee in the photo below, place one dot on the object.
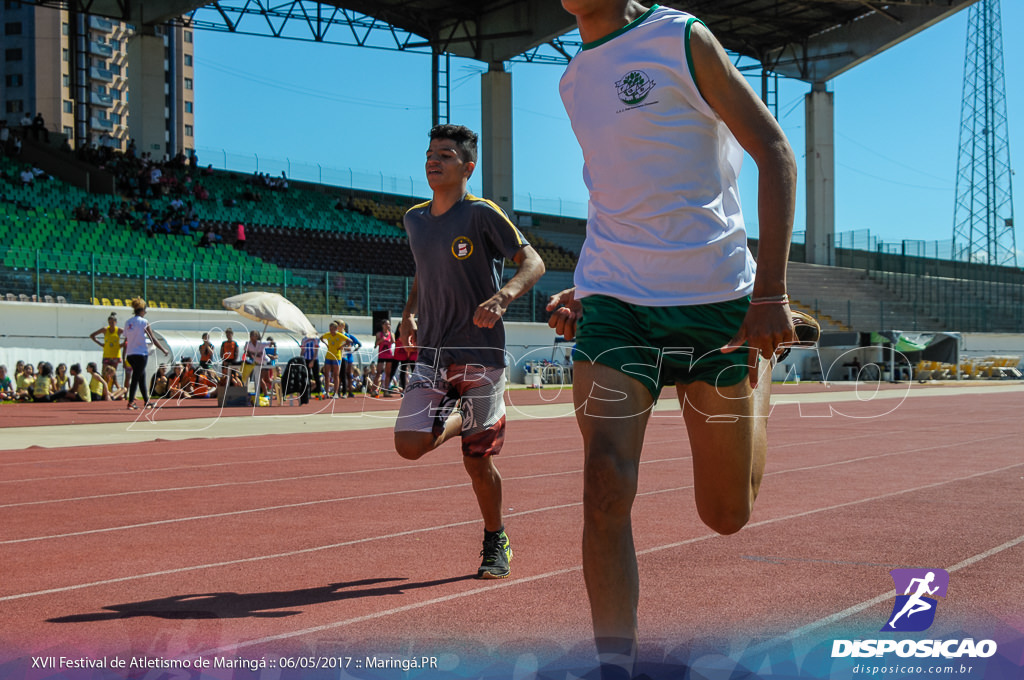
(412, 445)
(725, 520)
(609, 488)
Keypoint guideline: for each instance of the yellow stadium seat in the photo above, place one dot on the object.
(106, 302)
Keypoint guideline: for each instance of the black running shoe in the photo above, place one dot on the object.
(497, 553)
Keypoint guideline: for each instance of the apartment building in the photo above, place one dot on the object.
(97, 80)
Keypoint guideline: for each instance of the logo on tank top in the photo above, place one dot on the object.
(634, 87)
(462, 248)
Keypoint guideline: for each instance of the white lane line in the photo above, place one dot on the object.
(563, 506)
(288, 506)
(648, 551)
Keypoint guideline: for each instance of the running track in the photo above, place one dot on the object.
(239, 535)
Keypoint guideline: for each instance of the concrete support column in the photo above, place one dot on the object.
(496, 136)
(147, 124)
(820, 172)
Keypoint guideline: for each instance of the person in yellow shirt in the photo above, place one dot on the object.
(79, 390)
(335, 341)
(112, 341)
(97, 386)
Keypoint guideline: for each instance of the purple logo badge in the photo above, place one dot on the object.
(916, 590)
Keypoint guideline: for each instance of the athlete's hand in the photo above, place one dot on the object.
(407, 331)
(491, 310)
(566, 311)
(764, 329)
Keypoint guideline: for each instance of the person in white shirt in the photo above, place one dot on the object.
(666, 291)
(136, 331)
(256, 356)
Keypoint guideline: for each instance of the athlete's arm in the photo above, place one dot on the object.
(567, 310)
(93, 337)
(728, 93)
(156, 343)
(531, 268)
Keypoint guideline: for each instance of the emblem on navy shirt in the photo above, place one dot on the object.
(634, 87)
(462, 248)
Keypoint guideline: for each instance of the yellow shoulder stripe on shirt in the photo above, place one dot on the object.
(494, 206)
(424, 204)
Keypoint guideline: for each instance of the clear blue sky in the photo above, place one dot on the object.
(356, 114)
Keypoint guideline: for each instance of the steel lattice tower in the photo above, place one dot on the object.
(983, 216)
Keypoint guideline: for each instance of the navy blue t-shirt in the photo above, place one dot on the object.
(460, 256)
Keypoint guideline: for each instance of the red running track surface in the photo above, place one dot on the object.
(327, 543)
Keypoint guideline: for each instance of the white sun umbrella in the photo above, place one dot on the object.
(272, 309)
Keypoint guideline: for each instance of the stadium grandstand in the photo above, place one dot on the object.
(338, 250)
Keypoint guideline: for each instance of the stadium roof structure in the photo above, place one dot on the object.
(810, 40)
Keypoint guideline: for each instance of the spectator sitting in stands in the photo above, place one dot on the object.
(123, 214)
(240, 236)
(27, 177)
(147, 223)
(95, 214)
(82, 213)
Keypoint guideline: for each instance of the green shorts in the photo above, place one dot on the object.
(663, 345)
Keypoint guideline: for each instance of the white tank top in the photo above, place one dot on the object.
(664, 225)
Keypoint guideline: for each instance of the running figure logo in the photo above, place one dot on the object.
(914, 610)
